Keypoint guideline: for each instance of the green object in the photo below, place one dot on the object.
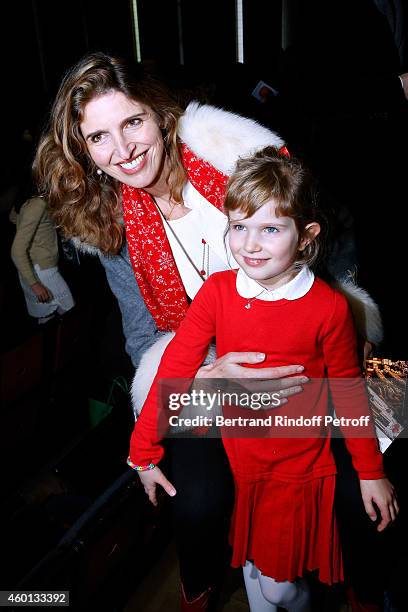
(99, 410)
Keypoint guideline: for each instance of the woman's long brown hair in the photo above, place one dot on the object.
(80, 203)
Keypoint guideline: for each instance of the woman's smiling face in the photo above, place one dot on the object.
(124, 139)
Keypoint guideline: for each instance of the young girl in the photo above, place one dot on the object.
(283, 523)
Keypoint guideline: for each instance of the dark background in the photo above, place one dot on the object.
(69, 500)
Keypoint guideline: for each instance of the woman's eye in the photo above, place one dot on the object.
(270, 230)
(135, 122)
(97, 138)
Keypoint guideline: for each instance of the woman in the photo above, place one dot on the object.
(118, 145)
(35, 254)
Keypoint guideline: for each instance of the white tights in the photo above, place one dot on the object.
(265, 594)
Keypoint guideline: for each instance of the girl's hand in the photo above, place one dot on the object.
(257, 380)
(42, 292)
(151, 478)
(382, 493)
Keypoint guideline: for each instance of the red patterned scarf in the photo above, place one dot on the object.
(149, 249)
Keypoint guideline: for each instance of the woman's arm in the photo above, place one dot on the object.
(42, 292)
(281, 379)
(139, 328)
(30, 216)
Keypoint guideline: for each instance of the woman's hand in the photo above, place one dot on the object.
(151, 478)
(42, 292)
(368, 351)
(257, 379)
(404, 81)
(382, 493)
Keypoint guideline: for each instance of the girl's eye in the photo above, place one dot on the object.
(270, 230)
(238, 228)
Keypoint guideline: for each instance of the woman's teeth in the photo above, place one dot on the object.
(134, 163)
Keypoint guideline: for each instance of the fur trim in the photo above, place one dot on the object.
(146, 372)
(148, 367)
(220, 137)
(84, 247)
(365, 311)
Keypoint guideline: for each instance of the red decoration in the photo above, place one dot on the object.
(284, 152)
(152, 260)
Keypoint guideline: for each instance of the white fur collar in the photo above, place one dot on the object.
(365, 311)
(220, 137)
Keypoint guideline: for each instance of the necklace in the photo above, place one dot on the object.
(171, 212)
(250, 300)
(166, 216)
(205, 268)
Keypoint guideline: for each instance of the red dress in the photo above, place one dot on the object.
(283, 517)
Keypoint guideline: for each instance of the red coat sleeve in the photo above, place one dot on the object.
(181, 360)
(348, 390)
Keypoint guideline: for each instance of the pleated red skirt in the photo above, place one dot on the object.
(287, 529)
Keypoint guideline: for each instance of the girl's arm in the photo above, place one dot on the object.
(350, 401)
(180, 362)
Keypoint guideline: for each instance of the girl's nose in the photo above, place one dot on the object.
(251, 243)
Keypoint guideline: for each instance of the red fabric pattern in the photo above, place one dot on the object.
(155, 269)
(208, 181)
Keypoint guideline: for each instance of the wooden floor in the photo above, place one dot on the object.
(159, 592)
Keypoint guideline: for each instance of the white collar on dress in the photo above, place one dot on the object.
(293, 290)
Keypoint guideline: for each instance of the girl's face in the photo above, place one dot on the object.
(266, 246)
(124, 140)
